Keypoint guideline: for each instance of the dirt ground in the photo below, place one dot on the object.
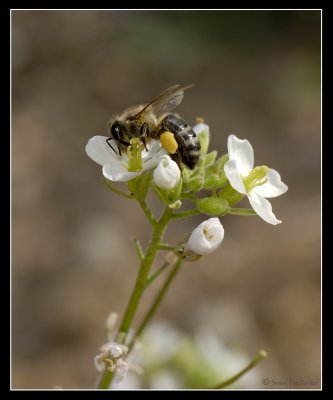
(256, 74)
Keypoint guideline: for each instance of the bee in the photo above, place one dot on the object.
(154, 120)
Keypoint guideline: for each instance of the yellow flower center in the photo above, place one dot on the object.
(257, 177)
(134, 151)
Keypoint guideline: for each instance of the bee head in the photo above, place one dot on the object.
(118, 134)
(116, 131)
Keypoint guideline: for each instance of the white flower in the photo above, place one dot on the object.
(206, 237)
(242, 177)
(99, 362)
(110, 354)
(116, 166)
(200, 128)
(202, 132)
(166, 174)
(121, 369)
(112, 349)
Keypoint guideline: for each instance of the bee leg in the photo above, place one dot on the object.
(177, 158)
(144, 133)
(109, 144)
(143, 139)
(118, 147)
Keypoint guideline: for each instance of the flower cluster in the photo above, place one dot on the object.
(112, 358)
(222, 183)
(228, 178)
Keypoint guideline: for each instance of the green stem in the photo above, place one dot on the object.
(157, 272)
(105, 380)
(159, 296)
(138, 249)
(185, 214)
(148, 213)
(140, 285)
(259, 357)
(241, 211)
(166, 247)
(141, 280)
(116, 190)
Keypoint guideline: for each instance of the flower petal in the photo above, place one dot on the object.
(206, 237)
(201, 127)
(262, 207)
(166, 174)
(153, 156)
(99, 151)
(234, 177)
(121, 370)
(242, 152)
(114, 349)
(273, 187)
(99, 362)
(118, 172)
(202, 132)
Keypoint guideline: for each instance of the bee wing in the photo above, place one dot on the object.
(166, 101)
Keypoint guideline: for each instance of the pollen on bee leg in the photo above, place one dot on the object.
(168, 141)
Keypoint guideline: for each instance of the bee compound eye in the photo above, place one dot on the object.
(116, 131)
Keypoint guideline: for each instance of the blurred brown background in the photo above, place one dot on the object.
(257, 74)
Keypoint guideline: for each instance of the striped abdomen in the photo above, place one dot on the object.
(188, 143)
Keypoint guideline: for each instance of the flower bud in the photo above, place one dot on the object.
(206, 237)
(215, 177)
(208, 159)
(212, 181)
(202, 132)
(166, 174)
(196, 181)
(212, 205)
(176, 204)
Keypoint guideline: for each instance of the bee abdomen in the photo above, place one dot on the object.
(188, 143)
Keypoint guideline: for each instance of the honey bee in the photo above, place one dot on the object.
(154, 121)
